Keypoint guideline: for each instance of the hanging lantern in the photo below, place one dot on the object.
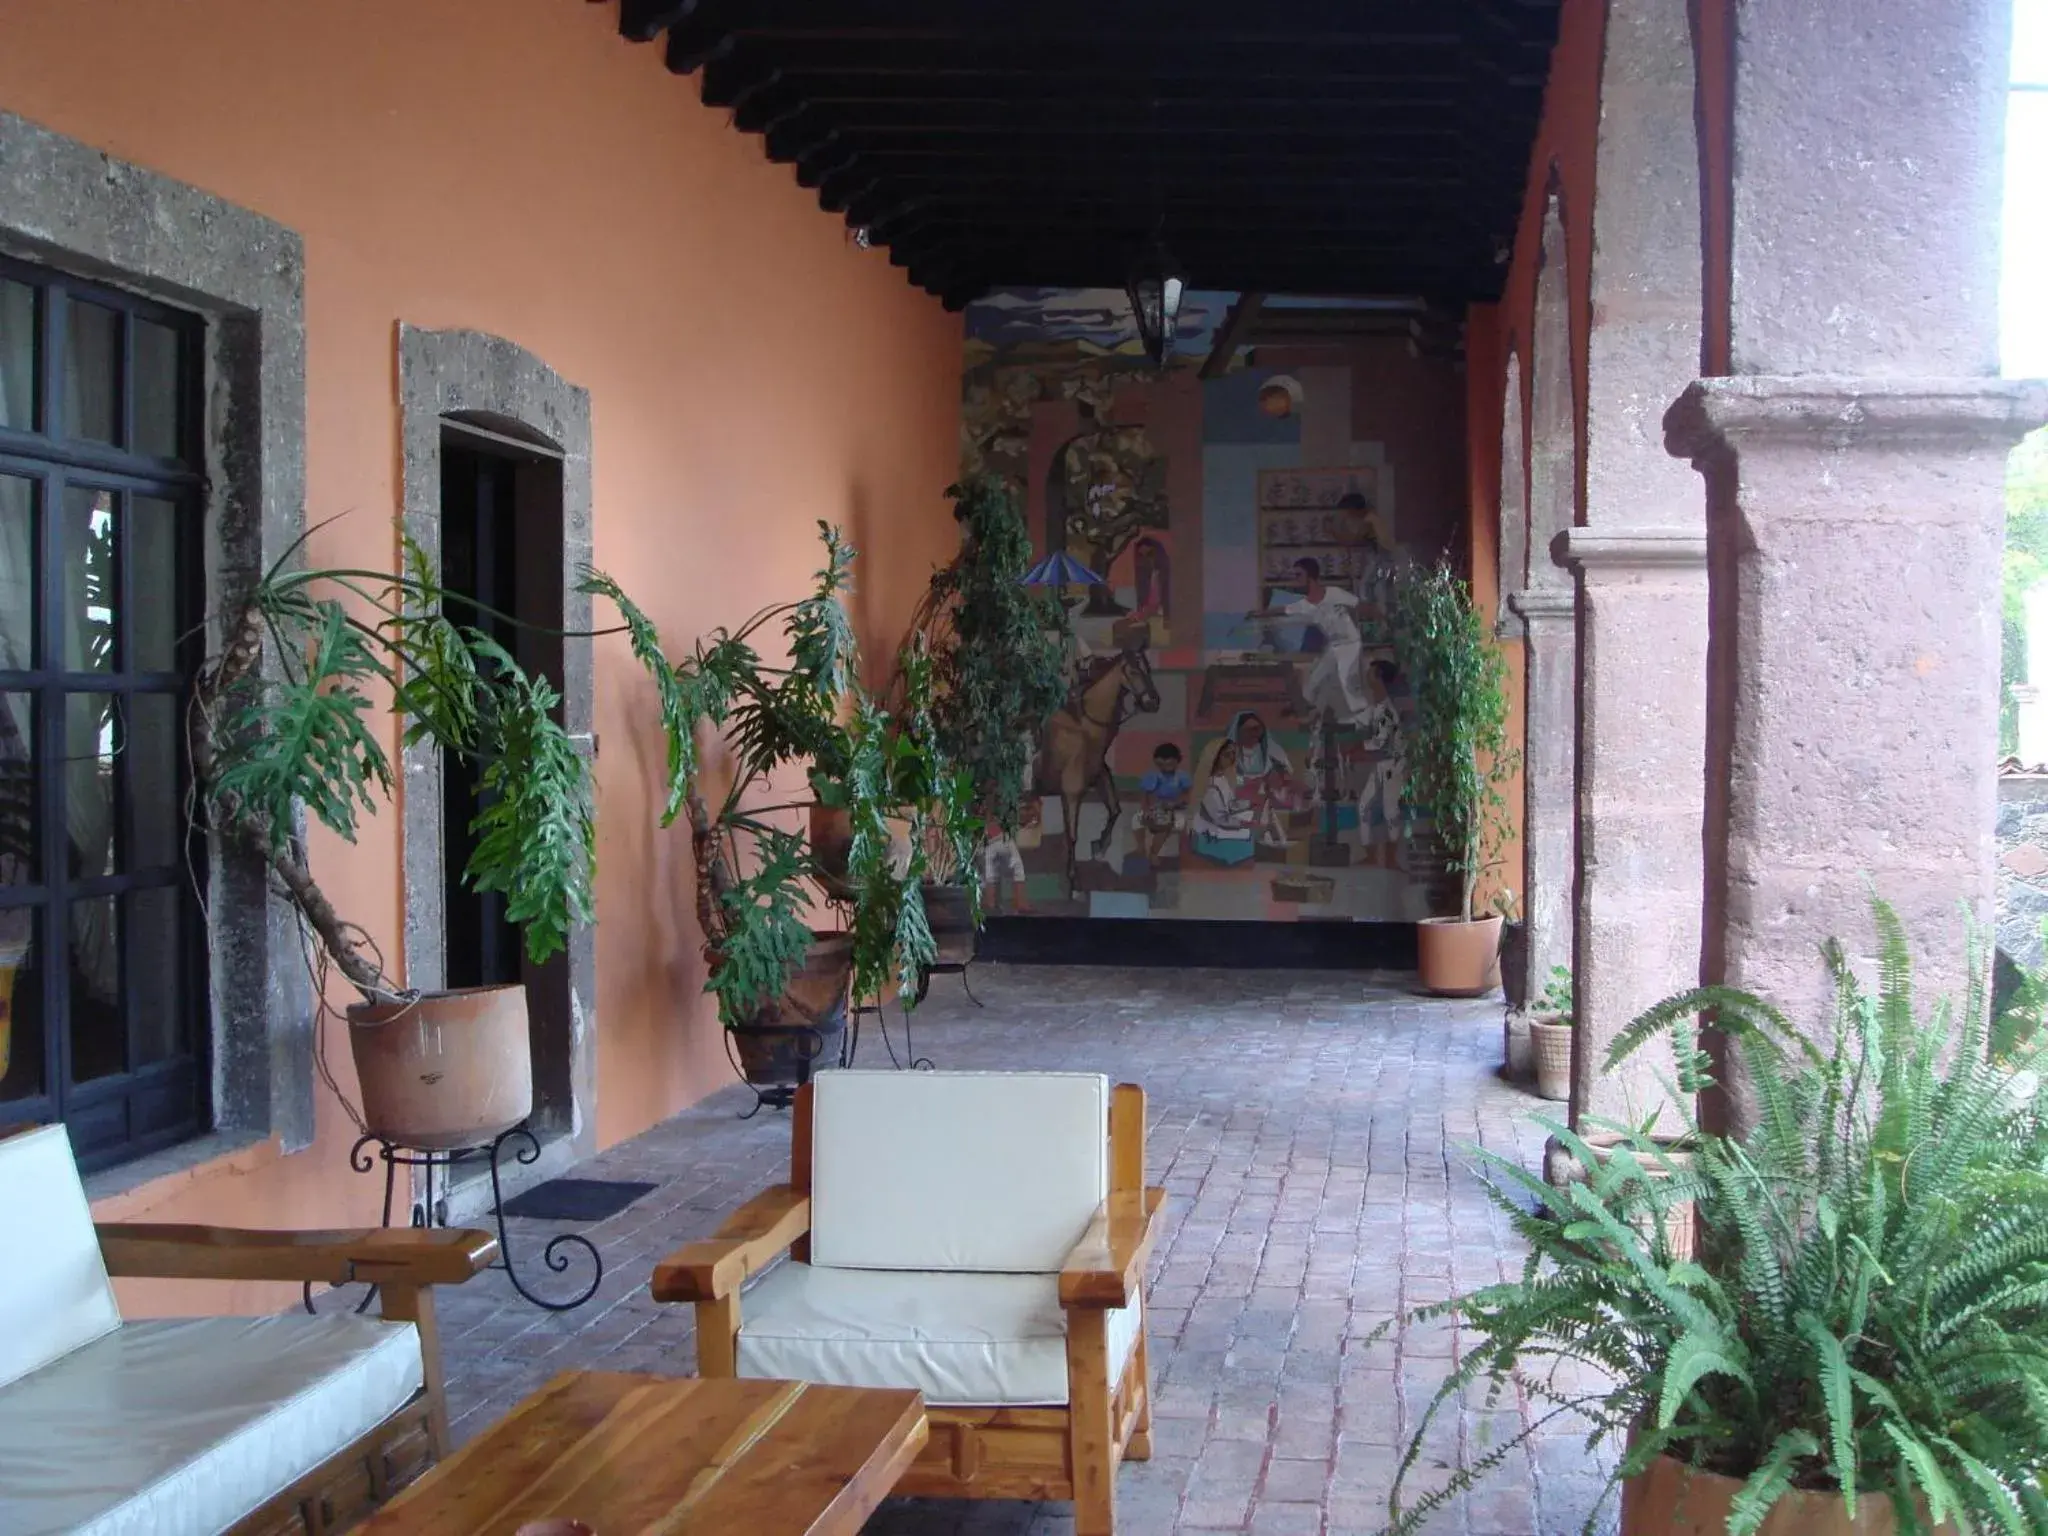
(1156, 289)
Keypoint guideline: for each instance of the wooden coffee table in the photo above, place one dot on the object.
(671, 1456)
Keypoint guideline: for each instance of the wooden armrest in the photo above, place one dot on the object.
(384, 1255)
(751, 1239)
(1107, 1267)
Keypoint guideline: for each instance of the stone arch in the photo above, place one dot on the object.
(1553, 411)
(478, 384)
(1512, 544)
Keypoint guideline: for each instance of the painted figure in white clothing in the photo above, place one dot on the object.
(1381, 820)
(1336, 683)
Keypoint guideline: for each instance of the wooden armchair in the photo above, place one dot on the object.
(255, 1426)
(979, 1236)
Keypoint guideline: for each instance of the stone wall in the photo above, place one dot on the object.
(2022, 866)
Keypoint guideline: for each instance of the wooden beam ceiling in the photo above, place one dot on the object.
(1362, 147)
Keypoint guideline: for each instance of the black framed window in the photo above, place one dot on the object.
(102, 948)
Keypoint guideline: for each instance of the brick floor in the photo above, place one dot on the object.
(1310, 1133)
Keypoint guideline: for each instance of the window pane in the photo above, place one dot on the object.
(89, 742)
(155, 975)
(88, 616)
(17, 356)
(99, 1040)
(151, 754)
(156, 389)
(21, 1007)
(20, 837)
(92, 371)
(153, 546)
(17, 572)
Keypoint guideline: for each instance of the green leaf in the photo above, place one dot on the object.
(1697, 1354)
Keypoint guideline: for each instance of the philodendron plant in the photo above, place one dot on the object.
(1867, 1310)
(282, 727)
(758, 882)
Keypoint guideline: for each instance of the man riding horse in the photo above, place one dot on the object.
(1107, 691)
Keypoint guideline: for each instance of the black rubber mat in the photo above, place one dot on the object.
(576, 1199)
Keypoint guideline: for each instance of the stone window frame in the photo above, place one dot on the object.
(69, 206)
(488, 381)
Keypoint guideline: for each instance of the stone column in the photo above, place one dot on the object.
(1640, 560)
(1642, 729)
(1854, 473)
(1549, 615)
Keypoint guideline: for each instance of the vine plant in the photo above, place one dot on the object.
(1458, 752)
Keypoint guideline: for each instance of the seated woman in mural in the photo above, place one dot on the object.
(1265, 777)
(1223, 817)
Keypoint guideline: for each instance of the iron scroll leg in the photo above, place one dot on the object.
(551, 1255)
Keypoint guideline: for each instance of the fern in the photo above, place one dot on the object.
(1868, 1309)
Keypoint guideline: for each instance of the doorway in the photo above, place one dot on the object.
(501, 539)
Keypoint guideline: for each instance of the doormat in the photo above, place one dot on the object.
(576, 1199)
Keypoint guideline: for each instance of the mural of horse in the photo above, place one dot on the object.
(1073, 757)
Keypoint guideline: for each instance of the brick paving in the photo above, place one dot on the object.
(1309, 1130)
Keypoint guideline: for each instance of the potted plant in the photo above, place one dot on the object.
(1860, 1342)
(997, 671)
(1457, 759)
(1550, 1034)
(782, 985)
(272, 742)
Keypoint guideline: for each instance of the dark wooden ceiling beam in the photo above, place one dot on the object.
(984, 141)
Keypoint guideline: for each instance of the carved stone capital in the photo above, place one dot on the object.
(1720, 415)
(1588, 550)
(1539, 605)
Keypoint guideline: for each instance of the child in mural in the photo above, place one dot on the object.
(1382, 823)
(1223, 817)
(1002, 857)
(1265, 777)
(1164, 811)
(1152, 581)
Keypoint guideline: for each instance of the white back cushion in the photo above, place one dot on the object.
(54, 1292)
(984, 1171)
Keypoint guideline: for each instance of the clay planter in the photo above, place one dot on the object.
(831, 837)
(1455, 958)
(951, 916)
(450, 1069)
(781, 1045)
(1552, 1038)
(1672, 1499)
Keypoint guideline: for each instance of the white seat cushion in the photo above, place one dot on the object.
(182, 1427)
(956, 1170)
(54, 1293)
(987, 1340)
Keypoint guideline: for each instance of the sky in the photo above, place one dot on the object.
(2024, 294)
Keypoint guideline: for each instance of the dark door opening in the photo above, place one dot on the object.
(501, 566)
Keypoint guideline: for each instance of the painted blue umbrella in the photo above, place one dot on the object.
(1060, 569)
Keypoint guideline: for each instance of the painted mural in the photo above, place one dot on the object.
(1231, 746)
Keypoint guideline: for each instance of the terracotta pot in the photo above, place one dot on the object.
(1552, 1039)
(1456, 958)
(951, 917)
(1672, 1499)
(831, 837)
(783, 1043)
(450, 1069)
(1679, 1226)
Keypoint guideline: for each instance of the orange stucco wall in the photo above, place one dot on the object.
(1564, 157)
(515, 167)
